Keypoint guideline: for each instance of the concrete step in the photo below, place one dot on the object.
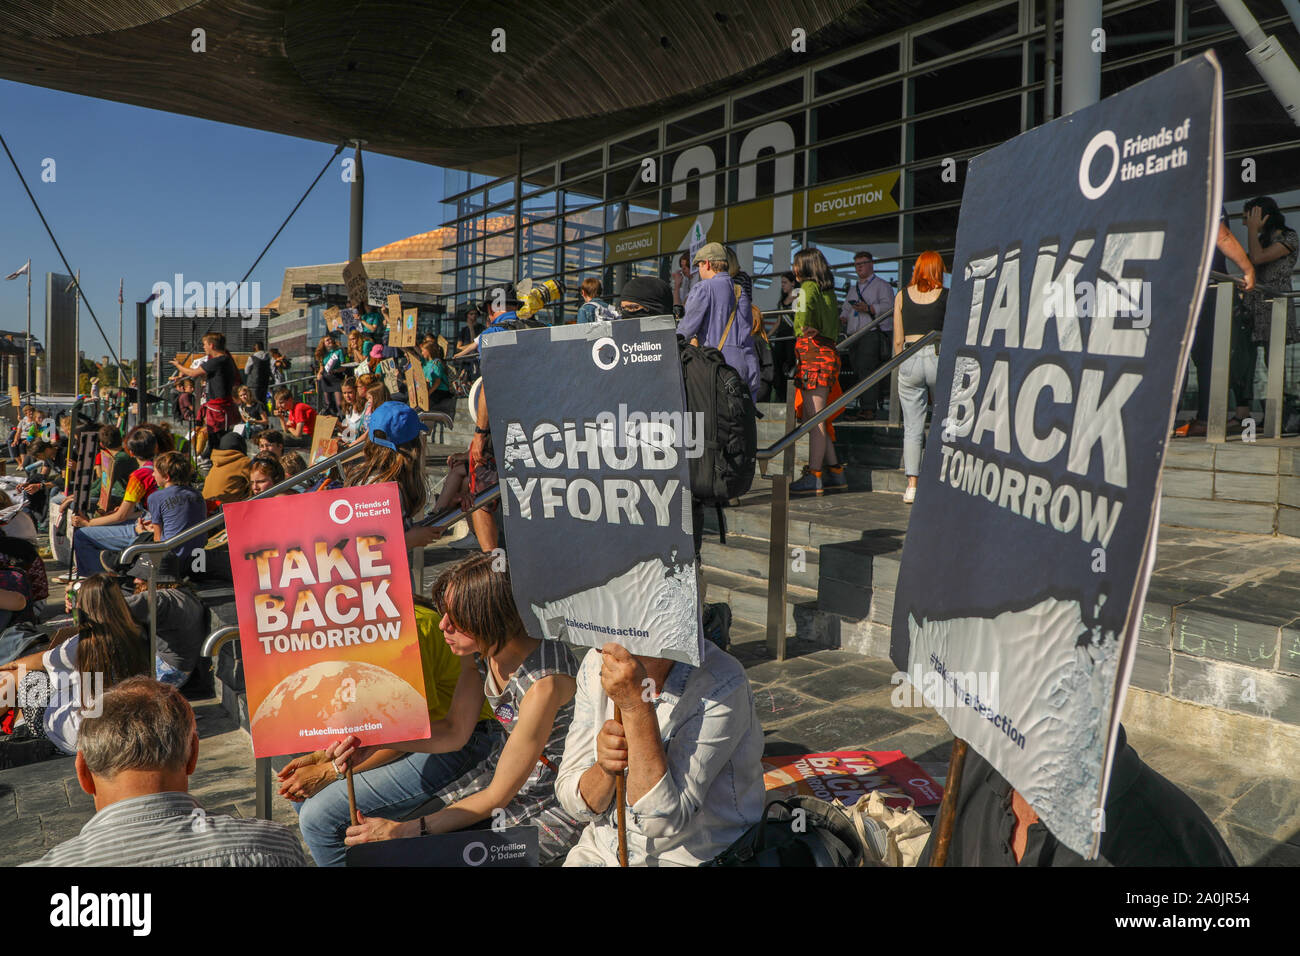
(748, 597)
(748, 556)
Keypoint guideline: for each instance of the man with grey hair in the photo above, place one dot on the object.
(135, 759)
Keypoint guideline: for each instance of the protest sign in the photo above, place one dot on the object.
(320, 433)
(379, 291)
(845, 776)
(326, 622)
(595, 482)
(417, 387)
(15, 396)
(354, 277)
(397, 332)
(1082, 254)
(513, 847)
(333, 319)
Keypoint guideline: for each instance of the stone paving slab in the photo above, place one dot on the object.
(816, 700)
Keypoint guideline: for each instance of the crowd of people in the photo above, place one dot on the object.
(524, 732)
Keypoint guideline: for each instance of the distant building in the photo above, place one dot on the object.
(418, 262)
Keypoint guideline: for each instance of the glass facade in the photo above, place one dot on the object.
(863, 150)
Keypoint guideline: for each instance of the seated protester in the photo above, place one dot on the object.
(185, 401)
(113, 465)
(692, 755)
(42, 467)
(529, 685)
(270, 443)
(292, 463)
(264, 473)
(175, 506)
(299, 418)
(1147, 820)
(359, 347)
(374, 392)
(372, 322)
(252, 413)
(15, 593)
(229, 466)
(391, 783)
(18, 524)
(162, 431)
(24, 557)
(352, 412)
(135, 759)
(441, 397)
(117, 529)
(394, 452)
(104, 642)
(181, 616)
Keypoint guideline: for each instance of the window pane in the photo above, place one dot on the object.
(1141, 30)
(634, 211)
(541, 234)
(580, 225)
(878, 150)
(540, 177)
(966, 129)
(929, 187)
(501, 192)
(978, 77)
(584, 193)
(934, 229)
(964, 34)
(769, 100)
(860, 69)
(635, 147)
(697, 125)
(585, 163)
(1121, 78)
(780, 134)
(540, 265)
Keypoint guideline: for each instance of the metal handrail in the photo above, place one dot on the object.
(785, 441)
(213, 643)
(219, 519)
(869, 327)
(443, 521)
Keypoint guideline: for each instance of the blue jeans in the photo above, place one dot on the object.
(169, 675)
(390, 791)
(916, 379)
(88, 542)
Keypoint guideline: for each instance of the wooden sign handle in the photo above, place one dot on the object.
(948, 807)
(352, 798)
(620, 795)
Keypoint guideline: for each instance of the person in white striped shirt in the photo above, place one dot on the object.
(135, 759)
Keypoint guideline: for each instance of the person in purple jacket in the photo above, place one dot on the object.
(712, 301)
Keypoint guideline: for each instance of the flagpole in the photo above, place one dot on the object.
(119, 330)
(27, 359)
(76, 339)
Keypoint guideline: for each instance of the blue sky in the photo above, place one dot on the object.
(141, 195)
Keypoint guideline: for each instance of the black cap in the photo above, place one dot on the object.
(231, 441)
(169, 571)
(653, 295)
(502, 291)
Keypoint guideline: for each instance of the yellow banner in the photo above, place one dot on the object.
(676, 232)
(855, 199)
(639, 243)
(757, 218)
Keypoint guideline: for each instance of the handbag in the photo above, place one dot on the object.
(798, 831)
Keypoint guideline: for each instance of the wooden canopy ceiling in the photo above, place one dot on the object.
(419, 78)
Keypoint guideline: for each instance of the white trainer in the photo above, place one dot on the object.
(909, 495)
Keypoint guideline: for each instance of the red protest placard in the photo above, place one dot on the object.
(326, 621)
(846, 775)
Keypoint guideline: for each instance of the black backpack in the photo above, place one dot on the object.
(825, 836)
(725, 469)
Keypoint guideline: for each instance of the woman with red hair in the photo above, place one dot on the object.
(918, 309)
